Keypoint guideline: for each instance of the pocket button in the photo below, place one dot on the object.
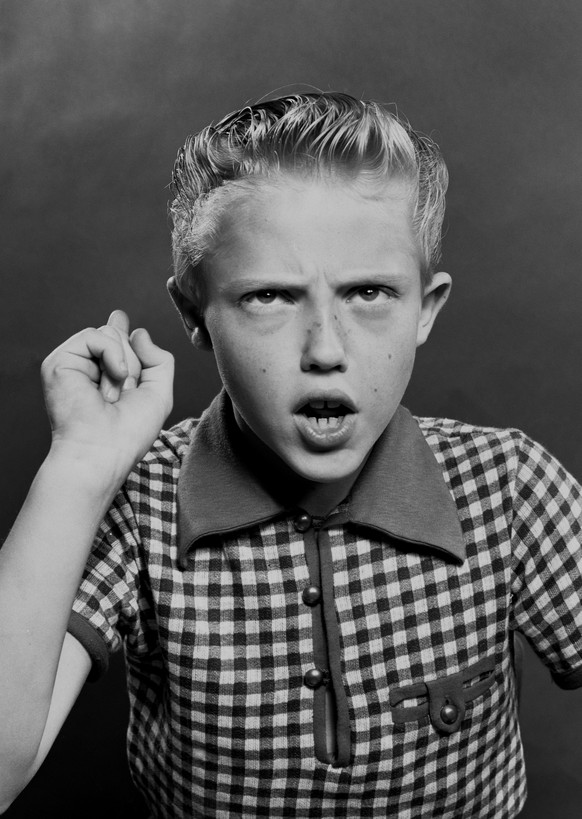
(449, 713)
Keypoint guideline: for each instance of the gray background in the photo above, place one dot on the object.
(96, 97)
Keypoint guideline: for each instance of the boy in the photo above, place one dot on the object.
(316, 592)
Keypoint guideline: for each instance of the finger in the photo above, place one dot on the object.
(79, 364)
(117, 327)
(109, 389)
(149, 354)
(90, 368)
(120, 320)
(90, 345)
(110, 386)
(157, 365)
(130, 383)
(92, 354)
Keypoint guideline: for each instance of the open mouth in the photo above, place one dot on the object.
(324, 414)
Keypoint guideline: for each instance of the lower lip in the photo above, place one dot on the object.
(325, 439)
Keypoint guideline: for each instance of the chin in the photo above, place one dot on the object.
(325, 468)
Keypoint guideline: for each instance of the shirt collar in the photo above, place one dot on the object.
(400, 492)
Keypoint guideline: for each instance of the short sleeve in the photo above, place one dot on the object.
(547, 562)
(105, 610)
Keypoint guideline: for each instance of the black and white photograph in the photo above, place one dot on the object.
(291, 380)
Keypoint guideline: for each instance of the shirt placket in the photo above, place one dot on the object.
(331, 724)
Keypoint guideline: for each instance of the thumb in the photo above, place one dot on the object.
(149, 354)
(157, 364)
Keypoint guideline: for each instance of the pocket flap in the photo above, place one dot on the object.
(446, 697)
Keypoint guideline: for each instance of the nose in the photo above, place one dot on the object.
(324, 343)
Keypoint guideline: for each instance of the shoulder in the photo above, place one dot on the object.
(171, 445)
(161, 465)
(486, 459)
(150, 490)
(484, 452)
(447, 433)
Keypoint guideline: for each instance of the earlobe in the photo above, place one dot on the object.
(190, 315)
(435, 296)
(200, 338)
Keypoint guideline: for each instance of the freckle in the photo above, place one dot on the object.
(375, 389)
(390, 356)
(263, 370)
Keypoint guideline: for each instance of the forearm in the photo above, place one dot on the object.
(107, 396)
(41, 564)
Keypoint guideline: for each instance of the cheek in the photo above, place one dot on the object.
(390, 365)
(400, 366)
(249, 372)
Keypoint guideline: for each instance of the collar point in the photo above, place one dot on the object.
(183, 555)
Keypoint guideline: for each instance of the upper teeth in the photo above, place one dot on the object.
(319, 403)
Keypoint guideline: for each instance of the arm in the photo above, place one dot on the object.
(73, 670)
(107, 397)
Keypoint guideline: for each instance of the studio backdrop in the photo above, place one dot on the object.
(96, 98)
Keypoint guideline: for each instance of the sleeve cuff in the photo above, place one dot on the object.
(93, 643)
(569, 681)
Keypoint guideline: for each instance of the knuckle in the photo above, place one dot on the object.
(88, 332)
(46, 366)
(110, 332)
(52, 361)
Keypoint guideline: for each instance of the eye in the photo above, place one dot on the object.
(264, 296)
(259, 299)
(371, 293)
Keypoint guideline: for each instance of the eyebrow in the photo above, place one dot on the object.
(286, 279)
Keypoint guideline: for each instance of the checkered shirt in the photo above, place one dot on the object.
(452, 537)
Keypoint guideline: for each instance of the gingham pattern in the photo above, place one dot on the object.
(221, 723)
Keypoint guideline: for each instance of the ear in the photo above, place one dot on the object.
(192, 318)
(435, 295)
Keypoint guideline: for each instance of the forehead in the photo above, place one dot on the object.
(302, 222)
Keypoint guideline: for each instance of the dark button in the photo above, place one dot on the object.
(311, 595)
(449, 713)
(314, 677)
(302, 522)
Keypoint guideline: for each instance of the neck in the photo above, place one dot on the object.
(319, 499)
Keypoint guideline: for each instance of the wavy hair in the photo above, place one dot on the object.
(323, 134)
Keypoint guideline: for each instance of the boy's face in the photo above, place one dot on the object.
(314, 307)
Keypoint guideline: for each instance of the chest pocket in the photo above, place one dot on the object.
(445, 699)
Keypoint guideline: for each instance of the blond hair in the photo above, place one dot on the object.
(314, 134)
